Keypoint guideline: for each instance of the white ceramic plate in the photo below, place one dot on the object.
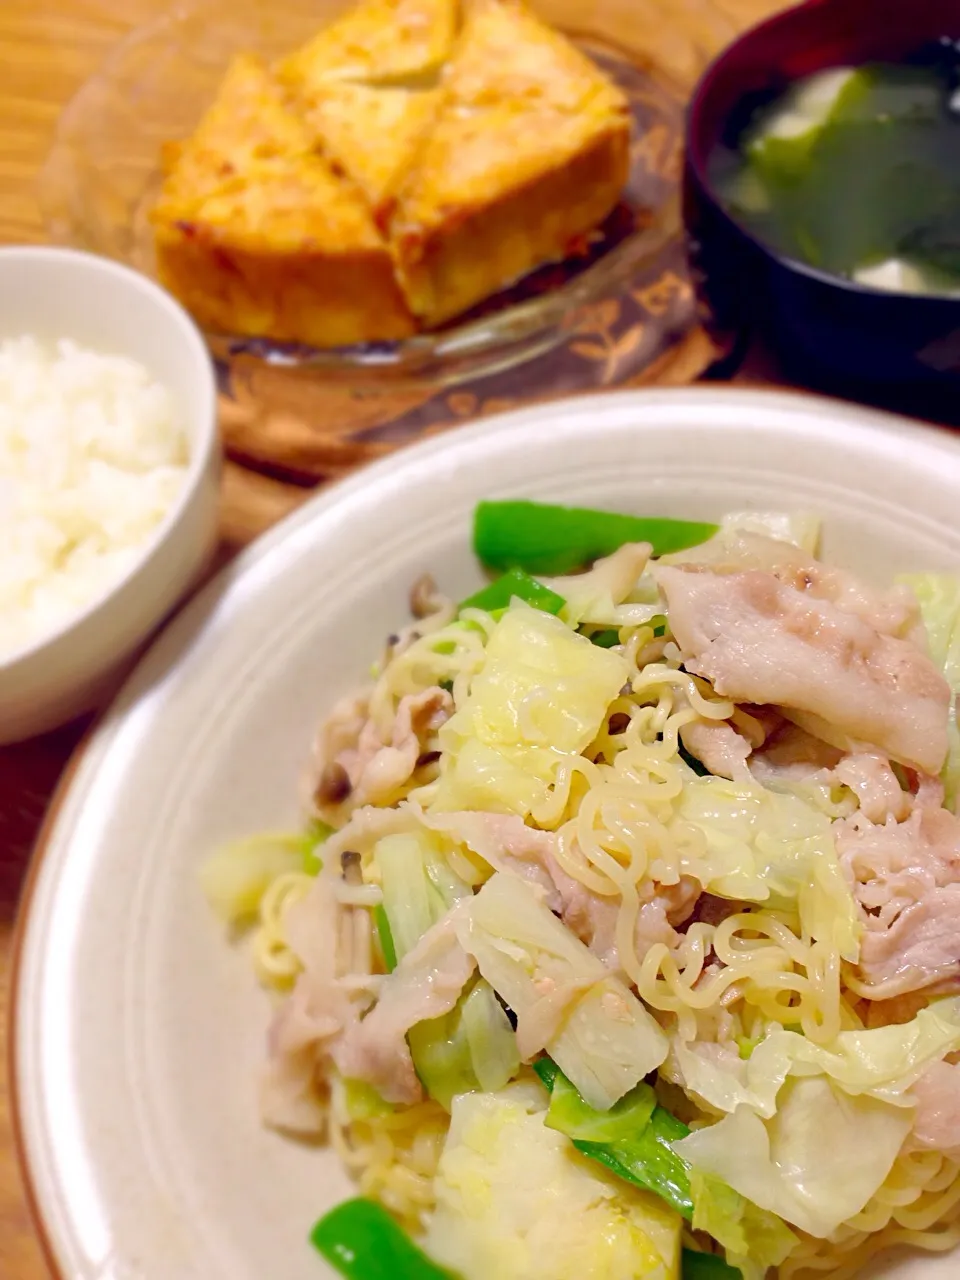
(138, 1031)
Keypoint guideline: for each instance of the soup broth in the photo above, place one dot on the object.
(856, 171)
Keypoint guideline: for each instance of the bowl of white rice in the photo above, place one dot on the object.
(109, 467)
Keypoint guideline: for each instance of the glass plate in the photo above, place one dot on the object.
(103, 172)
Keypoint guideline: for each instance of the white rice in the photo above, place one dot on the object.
(92, 458)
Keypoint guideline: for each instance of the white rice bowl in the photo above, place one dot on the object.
(92, 458)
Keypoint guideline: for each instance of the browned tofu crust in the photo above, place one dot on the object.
(413, 158)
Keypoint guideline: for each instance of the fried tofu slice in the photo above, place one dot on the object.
(257, 235)
(369, 87)
(483, 214)
(247, 122)
(378, 42)
(413, 158)
(506, 54)
(373, 135)
(530, 152)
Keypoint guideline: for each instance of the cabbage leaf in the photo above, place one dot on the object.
(883, 1062)
(440, 1049)
(724, 1086)
(880, 1063)
(468, 1050)
(755, 540)
(473, 1046)
(799, 528)
(565, 998)
(815, 1163)
(635, 1141)
(236, 876)
(754, 1239)
(569, 1114)
(614, 593)
(516, 1201)
(492, 1043)
(418, 885)
(769, 847)
(540, 698)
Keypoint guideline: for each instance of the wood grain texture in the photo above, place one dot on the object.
(47, 49)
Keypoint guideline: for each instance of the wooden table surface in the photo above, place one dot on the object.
(47, 49)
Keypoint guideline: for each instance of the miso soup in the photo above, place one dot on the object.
(856, 171)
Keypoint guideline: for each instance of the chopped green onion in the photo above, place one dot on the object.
(706, 1266)
(363, 1242)
(515, 583)
(385, 934)
(540, 538)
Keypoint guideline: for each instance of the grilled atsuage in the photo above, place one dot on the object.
(412, 159)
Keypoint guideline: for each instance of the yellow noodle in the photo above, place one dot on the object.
(876, 991)
(452, 652)
(560, 800)
(699, 694)
(614, 811)
(275, 962)
(394, 1157)
(918, 1206)
(571, 859)
(469, 866)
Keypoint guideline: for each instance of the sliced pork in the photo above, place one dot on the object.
(330, 1018)
(936, 1125)
(719, 748)
(893, 612)
(793, 755)
(311, 1024)
(906, 878)
(377, 767)
(663, 909)
(870, 777)
(426, 984)
(760, 640)
(508, 844)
